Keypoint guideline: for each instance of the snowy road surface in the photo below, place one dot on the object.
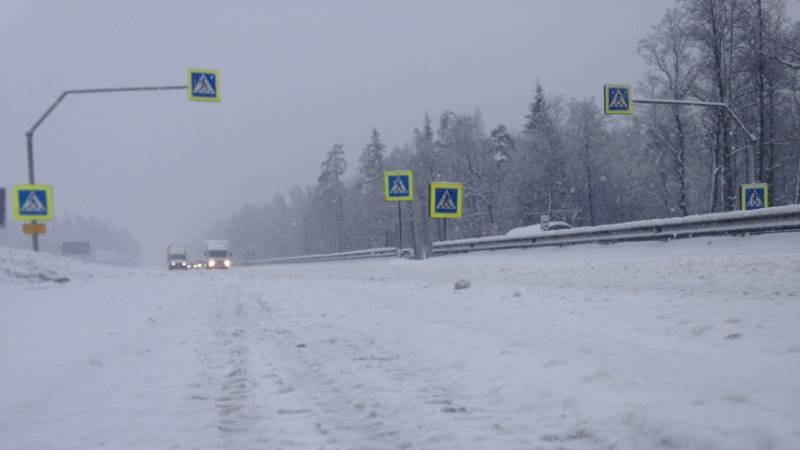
(693, 344)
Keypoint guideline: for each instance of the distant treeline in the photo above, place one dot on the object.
(569, 160)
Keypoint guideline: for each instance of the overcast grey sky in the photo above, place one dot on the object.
(296, 77)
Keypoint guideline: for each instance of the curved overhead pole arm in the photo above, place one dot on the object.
(29, 133)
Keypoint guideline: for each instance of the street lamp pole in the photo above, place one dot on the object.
(29, 133)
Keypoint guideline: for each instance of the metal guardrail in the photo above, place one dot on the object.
(383, 252)
(768, 220)
(775, 219)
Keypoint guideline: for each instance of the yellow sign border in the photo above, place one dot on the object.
(607, 88)
(746, 186)
(32, 187)
(390, 173)
(217, 98)
(459, 202)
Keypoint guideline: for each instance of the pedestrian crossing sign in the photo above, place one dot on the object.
(618, 99)
(398, 185)
(446, 200)
(754, 196)
(204, 85)
(33, 202)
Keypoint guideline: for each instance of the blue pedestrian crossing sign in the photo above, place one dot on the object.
(754, 196)
(33, 202)
(204, 85)
(446, 200)
(398, 185)
(618, 99)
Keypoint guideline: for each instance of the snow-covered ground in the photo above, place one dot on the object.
(692, 344)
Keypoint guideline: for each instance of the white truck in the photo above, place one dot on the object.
(217, 254)
(176, 257)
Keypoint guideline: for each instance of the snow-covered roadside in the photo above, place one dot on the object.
(687, 344)
(24, 267)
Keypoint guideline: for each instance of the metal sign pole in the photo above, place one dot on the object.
(31, 179)
(2, 207)
(400, 227)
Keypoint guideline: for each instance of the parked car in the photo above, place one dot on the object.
(539, 228)
(557, 225)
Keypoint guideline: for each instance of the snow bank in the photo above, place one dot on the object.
(20, 267)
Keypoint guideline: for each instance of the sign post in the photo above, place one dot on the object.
(2, 207)
(398, 186)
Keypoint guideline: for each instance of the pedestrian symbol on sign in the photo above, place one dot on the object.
(754, 201)
(203, 86)
(446, 202)
(398, 188)
(32, 204)
(617, 99)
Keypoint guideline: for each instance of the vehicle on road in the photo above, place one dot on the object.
(176, 257)
(217, 254)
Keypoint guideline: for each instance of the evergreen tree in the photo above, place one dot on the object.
(331, 196)
(371, 162)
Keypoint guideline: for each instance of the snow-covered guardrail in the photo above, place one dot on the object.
(768, 220)
(357, 254)
(781, 218)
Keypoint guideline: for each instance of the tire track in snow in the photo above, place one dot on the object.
(386, 403)
(255, 404)
(227, 384)
(347, 421)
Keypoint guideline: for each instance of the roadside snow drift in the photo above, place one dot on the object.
(26, 267)
(692, 344)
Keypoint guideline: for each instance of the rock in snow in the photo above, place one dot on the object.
(462, 284)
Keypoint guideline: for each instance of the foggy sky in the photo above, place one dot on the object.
(295, 76)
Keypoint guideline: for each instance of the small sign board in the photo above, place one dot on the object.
(71, 248)
(2, 207)
(398, 185)
(754, 196)
(204, 85)
(33, 202)
(446, 200)
(34, 228)
(618, 99)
